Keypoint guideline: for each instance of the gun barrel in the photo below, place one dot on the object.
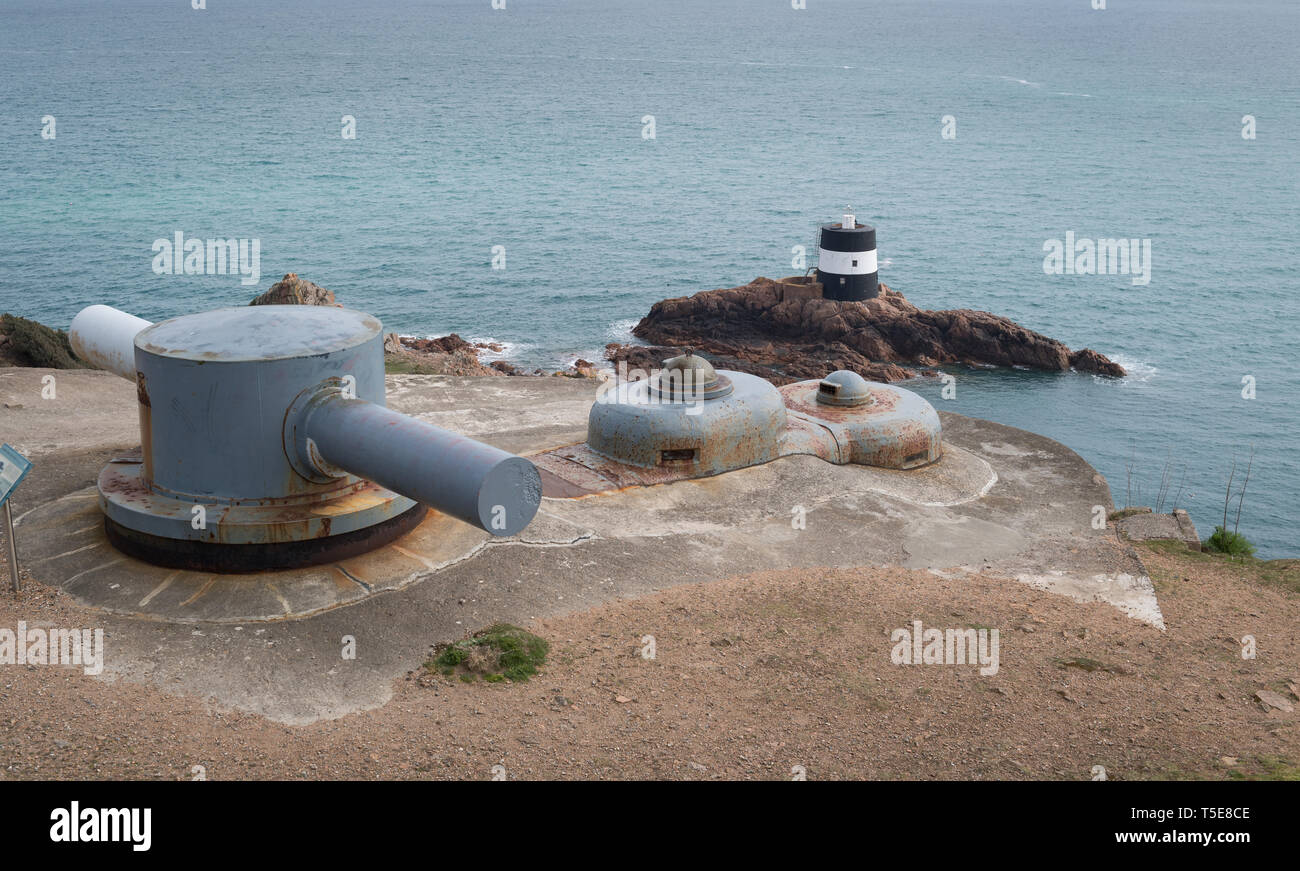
(105, 337)
(467, 479)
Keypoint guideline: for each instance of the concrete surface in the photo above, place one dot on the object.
(1148, 526)
(1003, 502)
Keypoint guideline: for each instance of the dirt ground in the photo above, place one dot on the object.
(756, 677)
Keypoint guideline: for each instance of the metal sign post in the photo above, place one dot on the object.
(13, 468)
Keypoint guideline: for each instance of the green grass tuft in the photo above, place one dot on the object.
(395, 365)
(498, 653)
(1266, 768)
(1283, 573)
(451, 657)
(1230, 543)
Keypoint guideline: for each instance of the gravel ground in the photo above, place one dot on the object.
(756, 677)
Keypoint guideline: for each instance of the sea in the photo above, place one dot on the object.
(540, 174)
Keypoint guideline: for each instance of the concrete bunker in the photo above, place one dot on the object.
(689, 420)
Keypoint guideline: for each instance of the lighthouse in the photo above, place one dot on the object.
(846, 260)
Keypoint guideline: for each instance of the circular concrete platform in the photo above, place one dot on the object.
(68, 546)
(65, 545)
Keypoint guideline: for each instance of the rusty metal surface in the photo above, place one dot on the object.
(577, 470)
(206, 556)
(214, 424)
(844, 388)
(802, 397)
(892, 429)
(689, 377)
(818, 438)
(127, 499)
(633, 426)
(896, 429)
(267, 425)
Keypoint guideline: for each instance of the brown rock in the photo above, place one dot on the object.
(1272, 701)
(445, 355)
(292, 290)
(784, 331)
(441, 345)
(506, 368)
(1089, 360)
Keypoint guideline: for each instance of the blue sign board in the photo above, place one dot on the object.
(13, 468)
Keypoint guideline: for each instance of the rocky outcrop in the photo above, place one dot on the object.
(292, 290)
(1088, 360)
(28, 343)
(784, 331)
(447, 355)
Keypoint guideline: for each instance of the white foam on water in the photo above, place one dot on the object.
(486, 355)
(509, 350)
(1139, 372)
(621, 332)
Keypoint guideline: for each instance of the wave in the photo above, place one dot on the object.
(1021, 81)
(621, 332)
(509, 350)
(1139, 371)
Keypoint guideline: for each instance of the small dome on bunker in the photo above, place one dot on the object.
(693, 376)
(844, 388)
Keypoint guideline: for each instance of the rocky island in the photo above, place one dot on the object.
(783, 330)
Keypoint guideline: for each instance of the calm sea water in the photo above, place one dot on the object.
(523, 128)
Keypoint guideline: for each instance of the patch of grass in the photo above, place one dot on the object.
(38, 345)
(1230, 543)
(1266, 768)
(1126, 512)
(1167, 771)
(1284, 573)
(1173, 547)
(497, 653)
(451, 657)
(394, 365)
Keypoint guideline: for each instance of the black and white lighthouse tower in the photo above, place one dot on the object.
(846, 260)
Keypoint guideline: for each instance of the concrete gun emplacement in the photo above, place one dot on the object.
(266, 443)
